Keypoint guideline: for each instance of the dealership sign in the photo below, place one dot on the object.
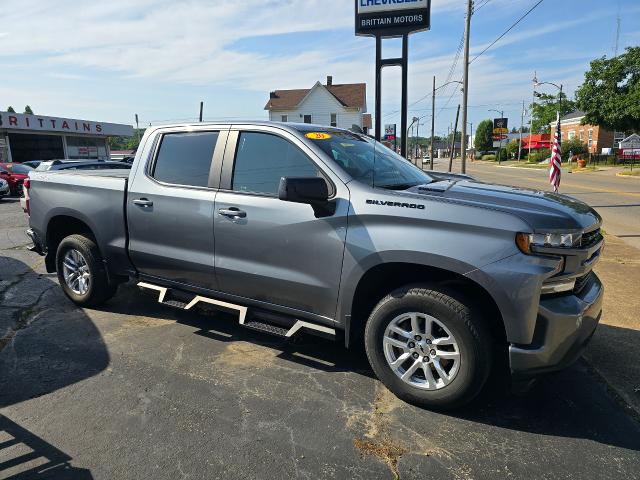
(19, 121)
(390, 131)
(392, 18)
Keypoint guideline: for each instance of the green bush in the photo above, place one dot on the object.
(540, 155)
(503, 154)
(489, 157)
(512, 149)
(575, 146)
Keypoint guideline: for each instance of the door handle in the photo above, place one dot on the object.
(232, 212)
(143, 202)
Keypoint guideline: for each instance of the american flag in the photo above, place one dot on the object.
(556, 159)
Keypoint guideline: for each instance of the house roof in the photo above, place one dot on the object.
(573, 115)
(350, 95)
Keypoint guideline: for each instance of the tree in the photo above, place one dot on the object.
(546, 108)
(574, 146)
(512, 149)
(28, 110)
(10, 109)
(610, 94)
(484, 136)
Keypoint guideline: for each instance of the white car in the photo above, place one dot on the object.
(4, 188)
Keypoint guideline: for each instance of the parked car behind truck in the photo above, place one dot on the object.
(302, 227)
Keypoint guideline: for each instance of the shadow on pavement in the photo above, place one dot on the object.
(47, 344)
(29, 456)
(571, 403)
(63, 346)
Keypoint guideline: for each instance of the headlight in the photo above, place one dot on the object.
(553, 240)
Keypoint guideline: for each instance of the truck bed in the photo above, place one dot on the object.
(98, 198)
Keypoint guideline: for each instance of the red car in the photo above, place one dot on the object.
(14, 174)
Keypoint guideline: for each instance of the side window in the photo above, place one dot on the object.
(307, 119)
(185, 158)
(262, 159)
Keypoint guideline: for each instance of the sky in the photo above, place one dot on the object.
(108, 60)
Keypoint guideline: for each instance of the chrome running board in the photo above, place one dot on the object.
(242, 313)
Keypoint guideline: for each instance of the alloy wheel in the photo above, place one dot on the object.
(421, 351)
(76, 272)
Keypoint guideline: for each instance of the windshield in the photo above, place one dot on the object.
(17, 168)
(368, 161)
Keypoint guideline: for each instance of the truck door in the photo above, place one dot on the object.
(267, 249)
(170, 207)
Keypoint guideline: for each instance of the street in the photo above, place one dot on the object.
(136, 390)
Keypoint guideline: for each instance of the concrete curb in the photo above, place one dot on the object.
(621, 175)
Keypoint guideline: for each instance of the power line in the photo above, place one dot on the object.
(452, 68)
(507, 30)
(480, 6)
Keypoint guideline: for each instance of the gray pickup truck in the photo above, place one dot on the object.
(302, 227)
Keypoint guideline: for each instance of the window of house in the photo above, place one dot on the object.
(582, 136)
(307, 119)
(572, 134)
(590, 138)
(263, 159)
(284, 118)
(334, 119)
(185, 158)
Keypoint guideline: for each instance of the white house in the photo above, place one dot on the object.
(336, 105)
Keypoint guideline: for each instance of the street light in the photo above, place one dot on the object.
(501, 112)
(414, 120)
(559, 87)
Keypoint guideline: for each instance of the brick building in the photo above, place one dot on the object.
(594, 137)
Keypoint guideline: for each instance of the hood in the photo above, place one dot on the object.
(541, 210)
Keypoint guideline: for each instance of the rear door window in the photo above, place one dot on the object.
(185, 158)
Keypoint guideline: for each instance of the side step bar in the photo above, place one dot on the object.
(242, 314)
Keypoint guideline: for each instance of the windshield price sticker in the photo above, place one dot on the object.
(318, 136)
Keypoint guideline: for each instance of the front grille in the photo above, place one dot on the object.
(581, 283)
(590, 238)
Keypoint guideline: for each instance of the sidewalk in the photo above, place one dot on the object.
(614, 352)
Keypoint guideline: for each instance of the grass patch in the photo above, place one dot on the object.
(588, 168)
(627, 172)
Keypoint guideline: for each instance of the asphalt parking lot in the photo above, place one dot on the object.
(135, 390)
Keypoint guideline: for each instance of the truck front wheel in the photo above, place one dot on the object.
(428, 346)
(81, 271)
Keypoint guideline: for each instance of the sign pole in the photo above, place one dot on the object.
(405, 103)
(378, 132)
(392, 20)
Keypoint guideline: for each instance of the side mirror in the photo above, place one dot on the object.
(311, 190)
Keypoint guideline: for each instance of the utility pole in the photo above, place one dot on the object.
(465, 87)
(453, 140)
(433, 119)
(521, 128)
(533, 104)
(418, 142)
(201, 107)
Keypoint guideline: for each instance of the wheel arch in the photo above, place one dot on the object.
(59, 227)
(383, 278)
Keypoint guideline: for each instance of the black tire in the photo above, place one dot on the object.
(464, 323)
(99, 289)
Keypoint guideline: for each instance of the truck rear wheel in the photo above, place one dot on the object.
(428, 347)
(81, 271)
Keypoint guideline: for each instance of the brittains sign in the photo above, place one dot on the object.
(392, 18)
(20, 121)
